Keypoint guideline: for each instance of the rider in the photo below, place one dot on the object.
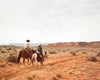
(27, 48)
(40, 51)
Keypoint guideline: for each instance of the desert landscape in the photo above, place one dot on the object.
(68, 30)
(61, 63)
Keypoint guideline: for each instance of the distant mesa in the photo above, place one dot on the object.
(75, 44)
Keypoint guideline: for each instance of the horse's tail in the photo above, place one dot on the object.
(19, 56)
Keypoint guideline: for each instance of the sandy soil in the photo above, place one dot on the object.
(59, 66)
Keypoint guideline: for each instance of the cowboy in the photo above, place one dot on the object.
(27, 48)
(40, 51)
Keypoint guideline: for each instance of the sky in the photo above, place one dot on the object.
(49, 21)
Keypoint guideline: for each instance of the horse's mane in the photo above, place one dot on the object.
(34, 51)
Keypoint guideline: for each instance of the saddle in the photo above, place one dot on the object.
(28, 50)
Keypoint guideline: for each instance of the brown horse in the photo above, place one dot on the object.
(23, 53)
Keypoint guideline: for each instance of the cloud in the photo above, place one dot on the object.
(51, 20)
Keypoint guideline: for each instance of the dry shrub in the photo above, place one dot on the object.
(8, 48)
(70, 72)
(30, 77)
(2, 51)
(12, 58)
(91, 57)
(73, 53)
(84, 52)
(58, 75)
(64, 51)
(53, 78)
(33, 75)
(9, 64)
(53, 52)
(98, 54)
(2, 65)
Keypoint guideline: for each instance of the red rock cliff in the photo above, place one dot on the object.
(75, 44)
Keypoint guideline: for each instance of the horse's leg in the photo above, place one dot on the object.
(28, 61)
(18, 65)
(32, 59)
(32, 62)
(36, 61)
(24, 61)
(41, 63)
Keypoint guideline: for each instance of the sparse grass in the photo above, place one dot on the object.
(2, 65)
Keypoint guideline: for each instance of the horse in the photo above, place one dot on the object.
(25, 55)
(37, 57)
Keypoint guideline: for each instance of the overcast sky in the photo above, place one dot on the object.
(44, 21)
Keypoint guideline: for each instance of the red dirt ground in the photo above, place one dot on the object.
(67, 66)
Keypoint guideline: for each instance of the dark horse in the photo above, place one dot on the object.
(23, 53)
